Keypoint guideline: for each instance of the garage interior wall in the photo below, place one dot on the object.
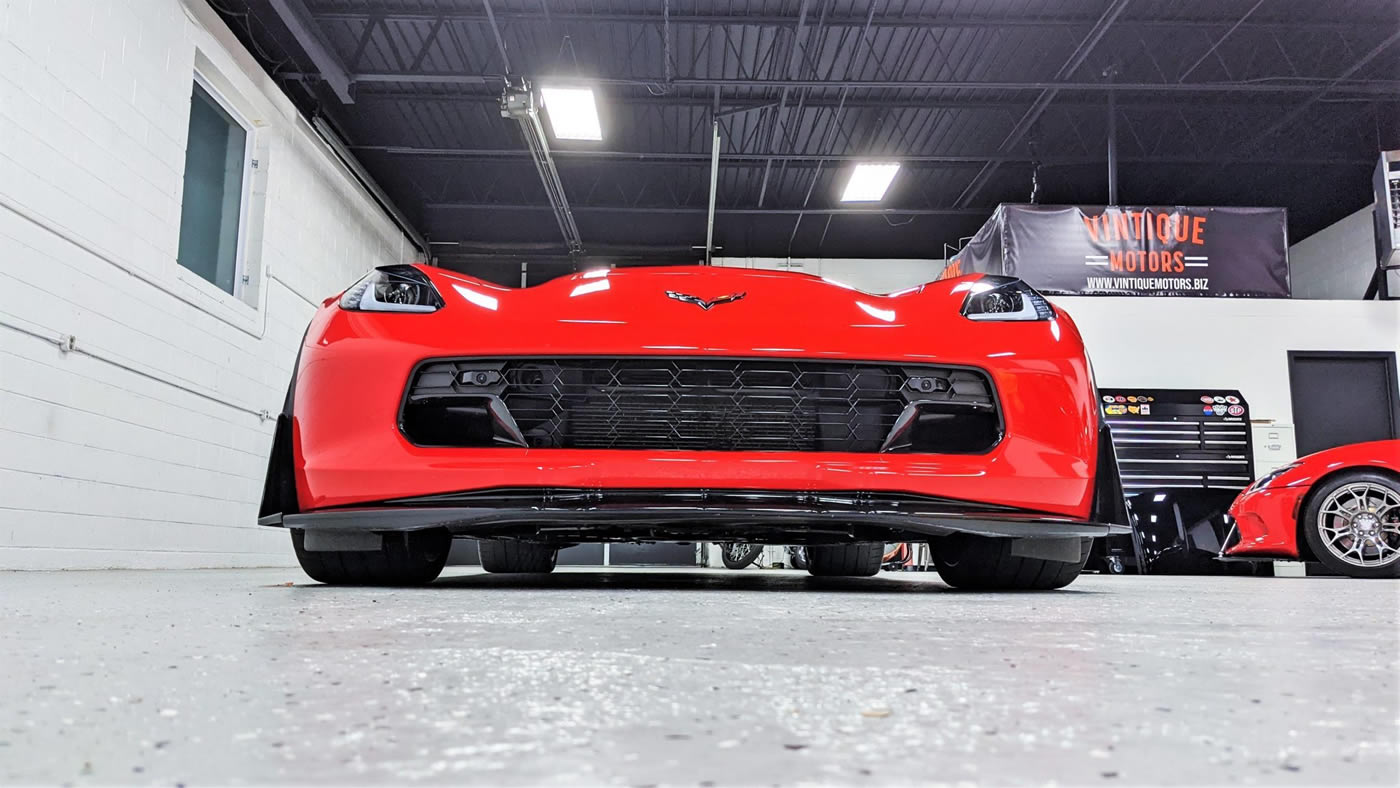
(872, 276)
(143, 445)
(1337, 261)
(1228, 343)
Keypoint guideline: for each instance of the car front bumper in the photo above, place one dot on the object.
(339, 449)
(1267, 521)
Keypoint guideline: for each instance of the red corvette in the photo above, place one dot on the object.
(687, 404)
(1340, 507)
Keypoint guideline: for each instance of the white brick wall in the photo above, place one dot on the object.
(146, 449)
(1337, 261)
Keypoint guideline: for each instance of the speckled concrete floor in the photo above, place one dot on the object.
(637, 677)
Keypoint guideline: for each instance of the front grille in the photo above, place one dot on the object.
(698, 404)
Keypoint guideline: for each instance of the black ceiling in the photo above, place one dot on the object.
(1228, 102)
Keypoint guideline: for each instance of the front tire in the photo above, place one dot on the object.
(736, 555)
(516, 556)
(1352, 524)
(985, 563)
(861, 559)
(406, 558)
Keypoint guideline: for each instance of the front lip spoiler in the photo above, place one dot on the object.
(692, 514)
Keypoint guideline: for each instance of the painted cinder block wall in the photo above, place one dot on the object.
(1338, 261)
(145, 447)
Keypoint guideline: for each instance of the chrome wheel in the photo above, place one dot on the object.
(738, 555)
(1360, 524)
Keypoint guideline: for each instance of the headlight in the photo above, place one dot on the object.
(393, 288)
(1005, 298)
(1269, 478)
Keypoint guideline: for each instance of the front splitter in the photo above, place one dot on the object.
(694, 514)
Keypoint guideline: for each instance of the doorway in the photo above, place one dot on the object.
(1342, 397)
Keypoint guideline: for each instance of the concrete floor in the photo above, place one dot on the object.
(636, 677)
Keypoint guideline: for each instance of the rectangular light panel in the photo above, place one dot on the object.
(573, 114)
(869, 181)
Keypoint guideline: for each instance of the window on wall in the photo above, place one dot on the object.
(212, 211)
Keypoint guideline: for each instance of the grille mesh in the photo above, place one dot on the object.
(698, 403)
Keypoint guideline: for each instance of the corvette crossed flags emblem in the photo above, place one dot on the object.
(702, 303)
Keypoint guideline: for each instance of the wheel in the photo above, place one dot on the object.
(1352, 524)
(1113, 565)
(860, 559)
(517, 556)
(406, 558)
(738, 556)
(896, 557)
(798, 556)
(986, 563)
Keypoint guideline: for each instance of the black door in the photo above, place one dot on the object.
(1342, 397)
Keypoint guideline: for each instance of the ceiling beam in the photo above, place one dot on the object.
(307, 32)
(1262, 138)
(1359, 24)
(702, 209)
(779, 120)
(1198, 61)
(752, 159)
(496, 33)
(1042, 102)
(1284, 85)
(382, 93)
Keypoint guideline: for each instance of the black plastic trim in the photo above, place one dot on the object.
(905, 365)
(695, 513)
(1110, 504)
(279, 486)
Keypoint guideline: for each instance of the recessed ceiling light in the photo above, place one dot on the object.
(573, 114)
(869, 181)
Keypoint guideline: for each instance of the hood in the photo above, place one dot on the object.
(700, 310)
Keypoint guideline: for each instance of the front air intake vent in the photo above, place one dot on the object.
(699, 404)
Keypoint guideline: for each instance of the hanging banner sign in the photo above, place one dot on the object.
(1088, 250)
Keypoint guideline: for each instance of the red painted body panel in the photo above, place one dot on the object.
(355, 366)
(1268, 517)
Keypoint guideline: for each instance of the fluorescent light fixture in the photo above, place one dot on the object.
(869, 181)
(573, 114)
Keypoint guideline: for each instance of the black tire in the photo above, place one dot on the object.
(517, 556)
(1312, 533)
(737, 556)
(798, 555)
(985, 563)
(859, 559)
(407, 558)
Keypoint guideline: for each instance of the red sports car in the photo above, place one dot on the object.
(688, 404)
(1340, 507)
